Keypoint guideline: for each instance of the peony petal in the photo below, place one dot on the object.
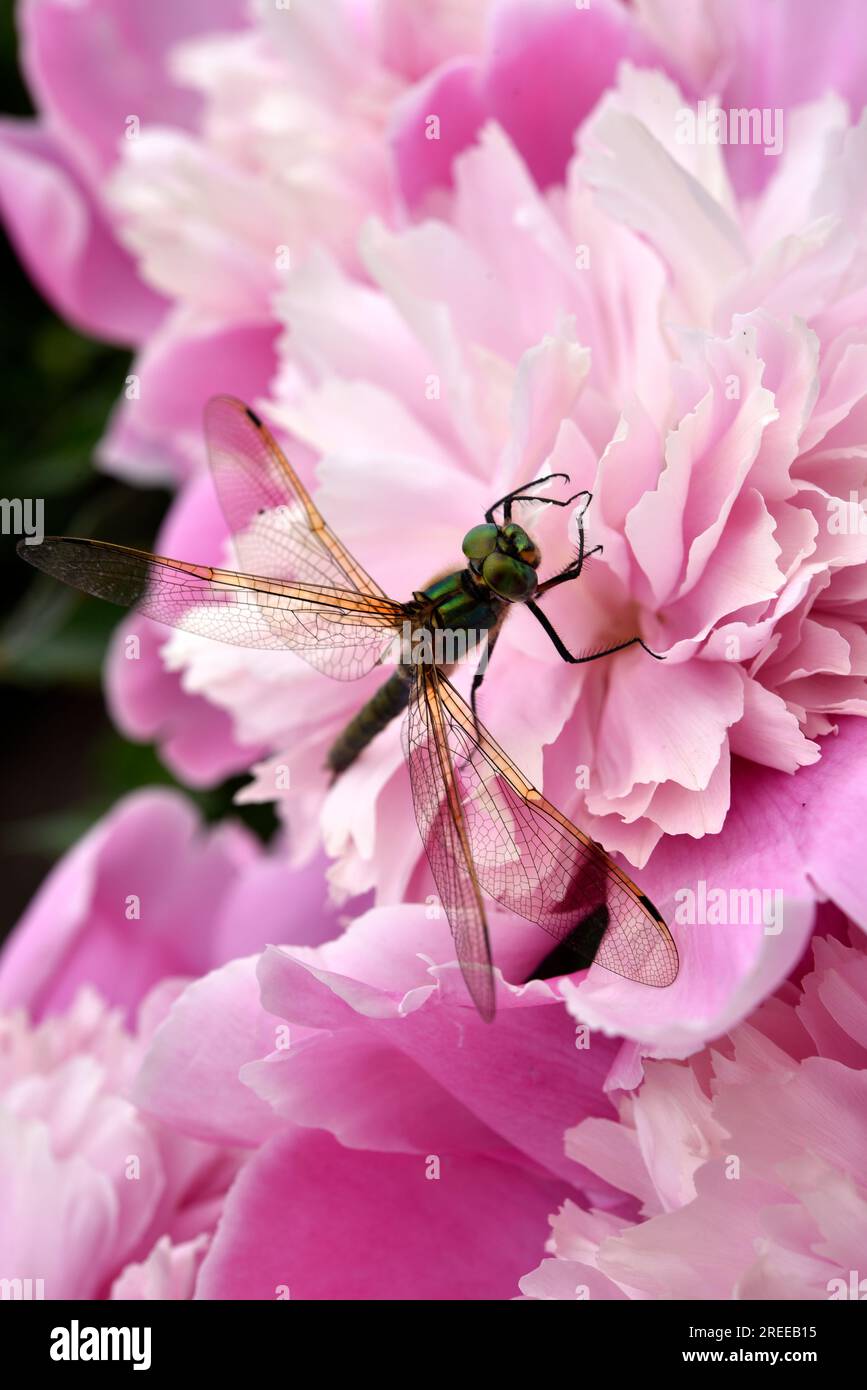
(168, 1273)
(190, 1075)
(65, 242)
(311, 1220)
(182, 366)
(93, 64)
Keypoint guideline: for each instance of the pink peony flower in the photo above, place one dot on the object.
(582, 291)
(719, 460)
(745, 1165)
(99, 1201)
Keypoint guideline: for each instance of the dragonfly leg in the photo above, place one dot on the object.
(512, 496)
(573, 570)
(490, 642)
(591, 656)
(520, 496)
(549, 501)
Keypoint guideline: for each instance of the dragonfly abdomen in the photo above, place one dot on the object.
(390, 700)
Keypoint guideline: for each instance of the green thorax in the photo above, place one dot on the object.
(459, 603)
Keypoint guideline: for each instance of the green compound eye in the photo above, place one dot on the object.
(514, 537)
(509, 578)
(513, 540)
(479, 542)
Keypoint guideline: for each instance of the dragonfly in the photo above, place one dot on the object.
(485, 828)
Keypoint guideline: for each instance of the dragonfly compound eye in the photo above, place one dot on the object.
(508, 577)
(514, 540)
(479, 542)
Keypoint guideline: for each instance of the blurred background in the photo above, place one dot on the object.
(64, 765)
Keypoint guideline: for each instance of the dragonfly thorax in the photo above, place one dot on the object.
(505, 558)
(459, 602)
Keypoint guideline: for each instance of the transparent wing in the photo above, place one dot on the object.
(277, 529)
(340, 631)
(438, 801)
(529, 857)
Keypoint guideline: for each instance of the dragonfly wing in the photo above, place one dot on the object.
(437, 798)
(276, 526)
(528, 856)
(340, 631)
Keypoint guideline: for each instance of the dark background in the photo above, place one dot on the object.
(63, 763)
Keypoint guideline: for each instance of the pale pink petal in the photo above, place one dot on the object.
(692, 705)
(59, 1217)
(833, 1007)
(201, 228)
(641, 182)
(563, 1280)
(768, 731)
(703, 1246)
(783, 55)
(168, 1273)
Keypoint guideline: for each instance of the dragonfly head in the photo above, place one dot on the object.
(505, 558)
